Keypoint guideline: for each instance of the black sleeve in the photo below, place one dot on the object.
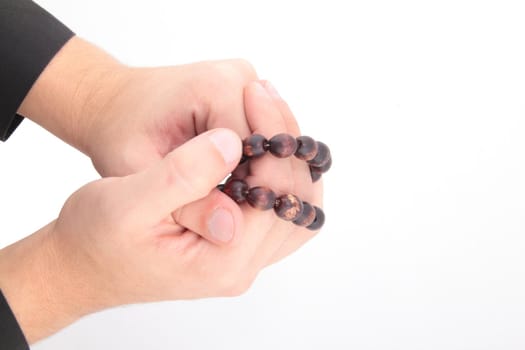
(29, 38)
(11, 336)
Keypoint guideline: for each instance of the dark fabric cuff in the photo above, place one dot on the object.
(29, 38)
(11, 336)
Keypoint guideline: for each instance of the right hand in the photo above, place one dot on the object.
(146, 237)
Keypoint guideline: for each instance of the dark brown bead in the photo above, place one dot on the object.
(288, 207)
(236, 189)
(322, 156)
(283, 145)
(315, 173)
(261, 198)
(306, 148)
(327, 166)
(307, 217)
(318, 221)
(254, 145)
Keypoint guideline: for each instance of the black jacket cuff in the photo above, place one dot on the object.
(29, 38)
(11, 336)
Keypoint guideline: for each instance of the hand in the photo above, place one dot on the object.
(126, 118)
(157, 109)
(115, 242)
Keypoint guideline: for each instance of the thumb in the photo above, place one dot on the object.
(187, 174)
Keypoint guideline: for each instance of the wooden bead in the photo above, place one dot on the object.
(254, 145)
(327, 166)
(288, 207)
(315, 173)
(261, 198)
(283, 145)
(307, 217)
(318, 221)
(322, 156)
(237, 190)
(306, 148)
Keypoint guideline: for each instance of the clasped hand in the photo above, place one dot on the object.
(155, 227)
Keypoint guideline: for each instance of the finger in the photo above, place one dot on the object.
(228, 110)
(302, 235)
(291, 122)
(215, 217)
(185, 175)
(265, 118)
(299, 167)
(262, 114)
(297, 236)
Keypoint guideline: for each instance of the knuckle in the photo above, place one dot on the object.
(225, 281)
(244, 66)
(235, 285)
(232, 281)
(238, 288)
(235, 70)
(224, 78)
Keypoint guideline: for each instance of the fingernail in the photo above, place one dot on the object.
(221, 225)
(272, 91)
(228, 144)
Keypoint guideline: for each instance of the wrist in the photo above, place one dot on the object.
(38, 288)
(69, 92)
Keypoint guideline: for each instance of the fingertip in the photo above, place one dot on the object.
(228, 144)
(225, 221)
(221, 225)
(217, 218)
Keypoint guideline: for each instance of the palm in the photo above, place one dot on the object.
(156, 110)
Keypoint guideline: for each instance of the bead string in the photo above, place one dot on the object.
(288, 207)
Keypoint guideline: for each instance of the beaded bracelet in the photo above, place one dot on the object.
(288, 207)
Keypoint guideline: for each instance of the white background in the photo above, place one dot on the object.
(422, 103)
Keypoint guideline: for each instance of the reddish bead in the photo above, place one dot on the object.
(327, 166)
(254, 145)
(306, 148)
(237, 190)
(307, 217)
(288, 207)
(283, 145)
(261, 198)
(318, 221)
(315, 173)
(322, 157)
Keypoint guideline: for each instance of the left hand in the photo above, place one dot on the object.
(156, 110)
(126, 118)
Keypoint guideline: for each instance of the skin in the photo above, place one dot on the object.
(154, 228)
